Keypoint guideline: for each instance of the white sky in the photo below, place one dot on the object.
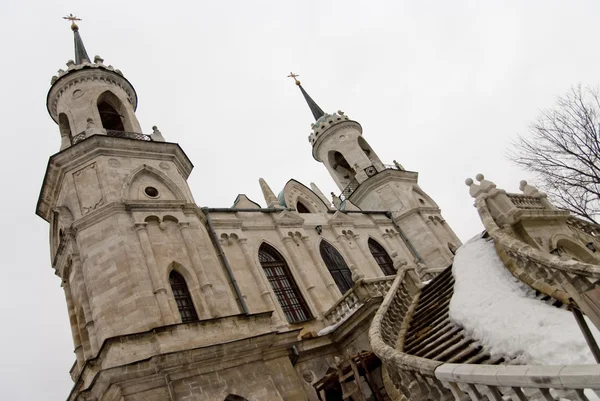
(440, 86)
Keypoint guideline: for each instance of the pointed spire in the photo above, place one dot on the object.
(80, 54)
(270, 197)
(314, 107)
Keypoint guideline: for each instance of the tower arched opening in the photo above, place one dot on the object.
(342, 275)
(182, 296)
(342, 168)
(109, 107)
(381, 257)
(284, 286)
(64, 126)
(368, 151)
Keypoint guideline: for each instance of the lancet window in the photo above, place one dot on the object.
(276, 269)
(381, 257)
(182, 298)
(337, 266)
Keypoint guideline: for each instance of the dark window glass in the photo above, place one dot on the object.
(301, 208)
(111, 119)
(182, 297)
(337, 266)
(381, 257)
(293, 305)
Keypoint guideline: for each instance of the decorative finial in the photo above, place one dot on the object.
(72, 18)
(292, 75)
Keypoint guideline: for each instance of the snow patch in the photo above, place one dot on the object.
(498, 310)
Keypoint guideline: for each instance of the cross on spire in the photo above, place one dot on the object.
(72, 18)
(292, 75)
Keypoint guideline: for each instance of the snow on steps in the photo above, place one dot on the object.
(433, 335)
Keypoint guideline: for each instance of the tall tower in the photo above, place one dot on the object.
(366, 182)
(126, 238)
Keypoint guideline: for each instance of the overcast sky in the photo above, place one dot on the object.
(440, 86)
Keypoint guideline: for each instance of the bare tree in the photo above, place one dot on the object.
(563, 151)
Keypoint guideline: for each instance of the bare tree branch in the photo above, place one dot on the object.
(563, 151)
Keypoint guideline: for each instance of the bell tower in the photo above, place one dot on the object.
(366, 182)
(126, 237)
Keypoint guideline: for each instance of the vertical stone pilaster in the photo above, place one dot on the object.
(74, 325)
(451, 233)
(158, 286)
(265, 294)
(306, 282)
(208, 298)
(79, 277)
(367, 255)
(356, 273)
(322, 269)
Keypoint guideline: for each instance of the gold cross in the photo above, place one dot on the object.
(72, 18)
(292, 75)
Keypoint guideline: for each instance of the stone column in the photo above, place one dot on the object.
(265, 294)
(323, 271)
(74, 324)
(158, 286)
(367, 255)
(79, 277)
(356, 274)
(208, 299)
(306, 283)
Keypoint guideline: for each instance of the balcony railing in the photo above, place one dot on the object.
(78, 138)
(129, 135)
(117, 134)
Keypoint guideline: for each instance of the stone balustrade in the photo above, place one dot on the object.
(544, 272)
(419, 379)
(524, 382)
(409, 377)
(525, 201)
(362, 291)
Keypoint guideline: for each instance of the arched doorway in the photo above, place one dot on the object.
(337, 266)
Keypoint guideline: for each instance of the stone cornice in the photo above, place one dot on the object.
(101, 145)
(385, 176)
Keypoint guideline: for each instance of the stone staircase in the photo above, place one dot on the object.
(431, 333)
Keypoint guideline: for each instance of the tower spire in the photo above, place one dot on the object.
(314, 107)
(80, 52)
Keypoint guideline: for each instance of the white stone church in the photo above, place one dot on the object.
(298, 299)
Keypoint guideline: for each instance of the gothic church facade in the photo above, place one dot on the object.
(169, 300)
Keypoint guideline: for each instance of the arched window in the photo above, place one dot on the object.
(337, 266)
(381, 257)
(338, 162)
(301, 208)
(108, 105)
(64, 126)
(182, 298)
(292, 304)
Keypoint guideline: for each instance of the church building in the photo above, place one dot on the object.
(170, 300)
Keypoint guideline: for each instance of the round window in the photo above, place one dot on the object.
(151, 192)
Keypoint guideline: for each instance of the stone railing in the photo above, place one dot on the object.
(525, 202)
(363, 290)
(565, 280)
(525, 382)
(410, 377)
(413, 378)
